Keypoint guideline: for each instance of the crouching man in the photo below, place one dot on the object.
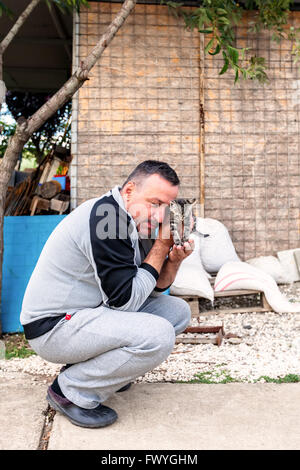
(94, 301)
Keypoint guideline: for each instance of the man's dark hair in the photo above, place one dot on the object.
(151, 167)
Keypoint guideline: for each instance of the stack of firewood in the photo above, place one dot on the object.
(39, 193)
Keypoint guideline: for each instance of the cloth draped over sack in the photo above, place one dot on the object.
(241, 275)
(216, 254)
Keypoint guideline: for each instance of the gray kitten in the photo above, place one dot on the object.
(181, 213)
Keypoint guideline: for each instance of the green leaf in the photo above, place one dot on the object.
(224, 20)
(208, 14)
(205, 31)
(68, 5)
(217, 50)
(174, 4)
(233, 54)
(225, 67)
(236, 75)
(209, 45)
(6, 10)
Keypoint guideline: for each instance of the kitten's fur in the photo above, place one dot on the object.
(181, 212)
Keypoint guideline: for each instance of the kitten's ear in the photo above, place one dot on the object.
(191, 201)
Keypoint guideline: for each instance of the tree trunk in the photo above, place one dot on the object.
(2, 84)
(27, 127)
(10, 35)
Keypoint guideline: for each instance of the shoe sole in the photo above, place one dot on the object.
(56, 407)
(123, 389)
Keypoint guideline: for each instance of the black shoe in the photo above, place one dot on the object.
(65, 367)
(87, 418)
(126, 387)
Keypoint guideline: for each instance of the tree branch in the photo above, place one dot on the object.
(9, 37)
(20, 21)
(80, 75)
(64, 94)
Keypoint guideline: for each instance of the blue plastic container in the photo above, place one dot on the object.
(62, 180)
(24, 238)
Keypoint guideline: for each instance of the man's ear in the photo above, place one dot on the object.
(128, 190)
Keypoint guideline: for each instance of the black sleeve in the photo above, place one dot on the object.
(159, 289)
(112, 250)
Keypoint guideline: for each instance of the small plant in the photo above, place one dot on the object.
(288, 378)
(223, 377)
(17, 346)
(212, 377)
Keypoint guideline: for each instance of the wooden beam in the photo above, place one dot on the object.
(202, 128)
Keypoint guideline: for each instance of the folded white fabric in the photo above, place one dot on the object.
(241, 275)
(191, 277)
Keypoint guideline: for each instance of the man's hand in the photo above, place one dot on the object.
(172, 264)
(179, 253)
(167, 268)
(164, 232)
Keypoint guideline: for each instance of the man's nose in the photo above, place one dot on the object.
(159, 214)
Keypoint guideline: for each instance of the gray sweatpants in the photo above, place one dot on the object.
(109, 348)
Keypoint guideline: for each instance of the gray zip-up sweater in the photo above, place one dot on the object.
(79, 267)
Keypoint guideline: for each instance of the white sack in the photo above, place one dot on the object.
(297, 259)
(287, 259)
(240, 275)
(271, 265)
(191, 277)
(217, 249)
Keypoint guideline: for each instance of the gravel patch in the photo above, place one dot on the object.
(266, 344)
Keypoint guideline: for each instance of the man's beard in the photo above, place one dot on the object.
(146, 231)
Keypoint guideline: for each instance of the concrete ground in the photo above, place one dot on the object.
(21, 411)
(158, 416)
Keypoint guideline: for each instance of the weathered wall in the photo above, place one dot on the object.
(252, 145)
(143, 101)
